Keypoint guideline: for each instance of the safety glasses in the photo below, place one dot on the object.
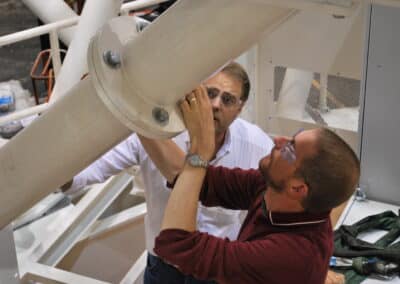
(288, 152)
(227, 99)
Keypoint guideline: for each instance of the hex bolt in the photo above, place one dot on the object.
(160, 115)
(112, 59)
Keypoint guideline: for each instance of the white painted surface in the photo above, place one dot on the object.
(55, 10)
(94, 15)
(54, 148)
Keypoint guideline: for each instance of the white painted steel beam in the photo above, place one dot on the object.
(124, 90)
(8, 260)
(23, 113)
(58, 10)
(46, 274)
(37, 31)
(49, 11)
(55, 53)
(48, 239)
(94, 15)
(136, 270)
(155, 68)
(54, 148)
(130, 215)
(88, 214)
(139, 4)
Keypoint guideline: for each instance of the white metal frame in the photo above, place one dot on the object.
(78, 225)
(75, 224)
(265, 108)
(57, 244)
(52, 29)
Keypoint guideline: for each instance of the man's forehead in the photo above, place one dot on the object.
(225, 82)
(305, 141)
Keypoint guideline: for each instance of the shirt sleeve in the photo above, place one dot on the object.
(119, 158)
(231, 188)
(260, 261)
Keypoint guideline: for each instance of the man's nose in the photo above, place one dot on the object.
(216, 102)
(279, 141)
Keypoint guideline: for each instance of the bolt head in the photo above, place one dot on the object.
(160, 115)
(112, 59)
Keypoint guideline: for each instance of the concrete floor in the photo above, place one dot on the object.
(16, 60)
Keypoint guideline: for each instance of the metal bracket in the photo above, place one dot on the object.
(8, 258)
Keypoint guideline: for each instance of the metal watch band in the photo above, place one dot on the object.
(196, 161)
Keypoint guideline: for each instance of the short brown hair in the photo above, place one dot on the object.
(236, 71)
(331, 174)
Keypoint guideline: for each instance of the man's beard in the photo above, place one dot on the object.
(277, 186)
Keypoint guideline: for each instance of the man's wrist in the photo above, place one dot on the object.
(197, 161)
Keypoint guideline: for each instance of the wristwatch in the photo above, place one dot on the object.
(196, 161)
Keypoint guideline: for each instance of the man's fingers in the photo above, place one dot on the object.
(202, 100)
(334, 278)
(203, 96)
(184, 105)
(197, 100)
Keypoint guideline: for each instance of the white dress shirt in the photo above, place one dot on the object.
(245, 144)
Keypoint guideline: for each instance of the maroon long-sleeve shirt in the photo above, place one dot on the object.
(272, 247)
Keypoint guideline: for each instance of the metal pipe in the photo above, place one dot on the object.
(61, 20)
(82, 125)
(37, 31)
(55, 147)
(140, 4)
(55, 10)
(23, 113)
(94, 15)
(55, 53)
(168, 59)
(198, 42)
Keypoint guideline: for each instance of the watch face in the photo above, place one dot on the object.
(195, 161)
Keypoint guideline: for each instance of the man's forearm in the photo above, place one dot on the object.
(166, 155)
(181, 210)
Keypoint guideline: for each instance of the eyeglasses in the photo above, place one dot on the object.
(227, 99)
(288, 152)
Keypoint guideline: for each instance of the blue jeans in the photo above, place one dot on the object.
(159, 272)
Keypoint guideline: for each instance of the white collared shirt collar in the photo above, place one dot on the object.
(225, 149)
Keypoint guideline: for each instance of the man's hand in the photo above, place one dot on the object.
(334, 278)
(197, 114)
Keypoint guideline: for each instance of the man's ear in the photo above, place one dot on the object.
(241, 107)
(298, 189)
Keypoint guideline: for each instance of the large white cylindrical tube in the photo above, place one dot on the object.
(204, 36)
(75, 131)
(53, 11)
(94, 15)
(186, 44)
(134, 76)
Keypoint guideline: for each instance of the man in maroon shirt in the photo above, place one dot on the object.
(287, 234)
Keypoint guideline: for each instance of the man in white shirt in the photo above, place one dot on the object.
(238, 144)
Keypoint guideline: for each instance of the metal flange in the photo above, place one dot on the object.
(111, 81)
